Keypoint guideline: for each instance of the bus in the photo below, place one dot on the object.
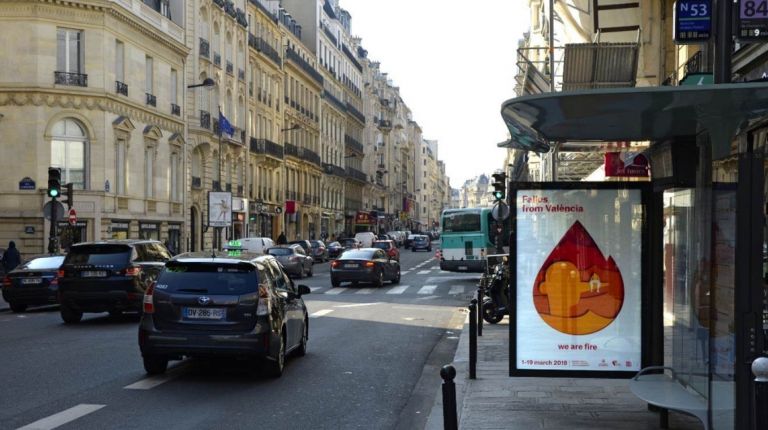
(467, 236)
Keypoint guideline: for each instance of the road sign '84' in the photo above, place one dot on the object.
(752, 20)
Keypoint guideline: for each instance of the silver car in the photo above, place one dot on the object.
(293, 258)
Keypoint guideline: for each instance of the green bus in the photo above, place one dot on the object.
(467, 236)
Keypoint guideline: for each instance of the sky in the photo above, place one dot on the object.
(455, 64)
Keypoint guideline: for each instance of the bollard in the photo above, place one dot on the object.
(760, 370)
(480, 297)
(450, 420)
(472, 338)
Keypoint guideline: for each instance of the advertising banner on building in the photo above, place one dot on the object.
(578, 278)
(220, 209)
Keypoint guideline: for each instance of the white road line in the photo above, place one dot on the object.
(423, 272)
(435, 268)
(427, 298)
(63, 417)
(357, 305)
(321, 313)
(313, 289)
(405, 273)
(336, 290)
(456, 289)
(398, 290)
(427, 289)
(365, 291)
(154, 381)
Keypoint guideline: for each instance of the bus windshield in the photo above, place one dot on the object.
(461, 222)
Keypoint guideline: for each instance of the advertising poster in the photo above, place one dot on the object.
(219, 209)
(578, 294)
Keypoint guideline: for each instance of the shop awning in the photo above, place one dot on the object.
(633, 114)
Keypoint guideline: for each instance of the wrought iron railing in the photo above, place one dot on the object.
(241, 74)
(74, 79)
(264, 146)
(230, 68)
(216, 59)
(175, 109)
(353, 144)
(356, 174)
(205, 119)
(205, 48)
(292, 150)
(121, 88)
(151, 99)
(332, 169)
(356, 113)
(293, 56)
(311, 156)
(197, 182)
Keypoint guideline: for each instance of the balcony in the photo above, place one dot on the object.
(229, 8)
(355, 113)
(216, 185)
(151, 100)
(267, 147)
(291, 150)
(265, 48)
(230, 68)
(228, 187)
(310, 156)
(121, 88)
(385, 124)
(241, 74)
(332, 169)
(205, 48)
(73, 79)
(197, 182)
(295, 58)
(307, 199)
(205, 119)
(353, 144)
(217, 59)
(241, 19)
(357, 175)
(239, 192)
(335, 101)
(216, 129)
(175, 109)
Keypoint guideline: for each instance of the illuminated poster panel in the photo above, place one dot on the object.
(578, 284)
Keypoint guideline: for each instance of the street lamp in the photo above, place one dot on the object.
(208, 83)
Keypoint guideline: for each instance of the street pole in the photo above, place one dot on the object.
(217, 230)
(723, 42)
(52, 239)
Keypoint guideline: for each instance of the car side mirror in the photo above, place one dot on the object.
(303, 289)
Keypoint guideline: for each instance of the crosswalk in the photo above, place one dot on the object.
(440, 290)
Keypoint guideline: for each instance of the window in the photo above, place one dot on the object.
(68, 151)
(175, 178)
(69, 54)
(120, 167)
(119, 61)
(174, 86)
(148, 75)
(149, 172)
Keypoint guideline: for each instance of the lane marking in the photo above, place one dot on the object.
(423, 272)
(357, 305)
(457, 289)
(398, 290)
(427, 298)
(321, 313)
(313, 289)
(365, 291)
(153, 381)
(435, 268)
(336, 290)
(63, 417)
(405, 273)
(427, 289)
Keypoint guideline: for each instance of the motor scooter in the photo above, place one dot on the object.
(496, 301)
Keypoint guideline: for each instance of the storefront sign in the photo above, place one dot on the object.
(174, 227)
(220, 209)
(119, 225)
(752, 20)
(362, 218)
(148, 226)
(238, 204)
(578, 279)
(625, 164)
(693, 21)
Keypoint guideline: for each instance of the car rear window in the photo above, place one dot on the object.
(381, 245)
(208, 278)
(280, 251)
(101, 254)
(358, 255)
(44, 263)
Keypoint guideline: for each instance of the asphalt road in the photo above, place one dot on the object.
(373, 362)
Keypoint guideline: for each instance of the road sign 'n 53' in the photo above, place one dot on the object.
(693, 21)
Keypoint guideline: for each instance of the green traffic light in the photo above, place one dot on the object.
(53, 193)
(498, 195)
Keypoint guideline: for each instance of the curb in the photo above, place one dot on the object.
(461, 363)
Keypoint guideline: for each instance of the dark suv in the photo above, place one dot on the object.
(109, 276)
(217, 305)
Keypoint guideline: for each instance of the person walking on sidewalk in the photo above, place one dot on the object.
(11, 257)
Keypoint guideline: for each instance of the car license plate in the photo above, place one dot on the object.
(94, 274)
(462, 267)
(350, 266)
(204, 313)
(31, 281)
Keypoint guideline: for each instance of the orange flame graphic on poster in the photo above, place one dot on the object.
(577, 290)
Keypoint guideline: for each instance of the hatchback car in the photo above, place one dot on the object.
(109, 276)
(334, 249)
(215, 305)
(350, 243)
(307, 245)
(33, 283)
(293, 258)
(365, 265)
(319, 250)
(389, 247)
(420, 242)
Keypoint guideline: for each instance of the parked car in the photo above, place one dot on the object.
(389, 247)
(365, 265)
(421, 241)
(334, 249)
(206, 305)
(319, 250)
(109, 276)
(366, 238)
(409, 240)
(33, 283)
(398, 237)
(253, 245)
(307, 245)
(350, 243)
(293, 258)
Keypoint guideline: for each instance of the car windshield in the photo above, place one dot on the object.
(420, 238)
(358, 255)
(101, 254)
(208, 278)
(44, 263)
(280, 251)
(461, 222)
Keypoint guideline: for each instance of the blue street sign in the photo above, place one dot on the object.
(693, 21)
(26, 184)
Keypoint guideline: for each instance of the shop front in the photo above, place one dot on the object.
(173, 241)
(119, 229)
(72, 234)
(705, 313)
(149, 230)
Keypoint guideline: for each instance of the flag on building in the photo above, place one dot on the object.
(225, 126)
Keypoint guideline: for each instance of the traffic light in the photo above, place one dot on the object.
(54, 182)
(252, 217)
(69, 195)
(499, 186)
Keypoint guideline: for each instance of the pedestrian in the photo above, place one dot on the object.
(11, 257)
(282, 240)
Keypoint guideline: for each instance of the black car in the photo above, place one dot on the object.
(319, 250)
(109, 276)
(33, 283)
(307, 245)
(349, 243)
(215, 305)
(421, 241)
(334, 249)
(365, 265)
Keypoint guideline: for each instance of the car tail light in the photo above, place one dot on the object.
(132, 271)
(149, 306)
(264, 303)
(335, 263)
(6, 282)
(60, 273)
(369, 264)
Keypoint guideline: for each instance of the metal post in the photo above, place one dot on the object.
(450, 420)
(723, 42)
(53, 237)
(480, 296)
(760, 370)
(472, 339)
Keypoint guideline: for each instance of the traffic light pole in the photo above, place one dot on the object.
(53, 234)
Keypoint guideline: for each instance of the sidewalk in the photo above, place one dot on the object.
(496, 401)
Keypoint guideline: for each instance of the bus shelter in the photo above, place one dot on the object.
(702, 271)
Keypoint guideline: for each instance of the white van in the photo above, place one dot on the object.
(254, 245)
(366, 239)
